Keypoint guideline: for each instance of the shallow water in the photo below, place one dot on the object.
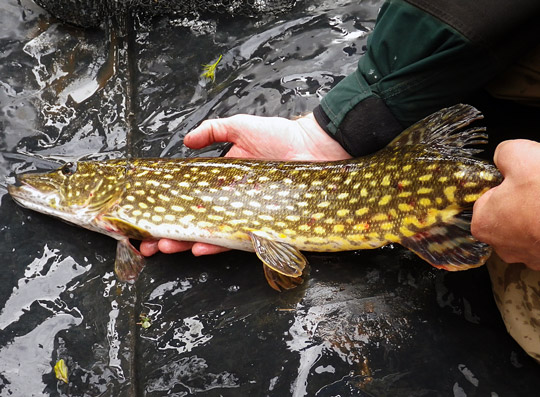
(369, 323)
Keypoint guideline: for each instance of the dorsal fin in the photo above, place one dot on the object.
(439, 131)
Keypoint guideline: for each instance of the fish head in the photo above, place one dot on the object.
(76, 192)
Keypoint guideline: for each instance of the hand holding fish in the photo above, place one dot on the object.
(508, 216)
(418, 191)
(268, 138)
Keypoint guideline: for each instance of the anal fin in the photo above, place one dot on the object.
(449, 245)
(129, 261)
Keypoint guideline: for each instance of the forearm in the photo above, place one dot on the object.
(415, 64)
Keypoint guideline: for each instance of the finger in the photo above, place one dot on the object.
(534, 265)
(200, 249)
(149, 247)
(509, 255)
(168, 246)
(499, 156)
(208, 132)
(482, 217)
(509, 154)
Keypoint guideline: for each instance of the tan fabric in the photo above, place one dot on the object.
(517, 293)
(521, 83)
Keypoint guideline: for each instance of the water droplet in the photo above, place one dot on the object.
(233, 288)
(203, 278)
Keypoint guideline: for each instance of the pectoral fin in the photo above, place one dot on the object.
(129, 262)
(117, 225)
(449, 246)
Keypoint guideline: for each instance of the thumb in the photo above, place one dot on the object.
(479, 208)
(509, 155)
(484, 217)
(208, 132)
(211, 131)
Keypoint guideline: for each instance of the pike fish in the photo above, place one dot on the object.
(418, 191)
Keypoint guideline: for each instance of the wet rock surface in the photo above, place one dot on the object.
(369, 323)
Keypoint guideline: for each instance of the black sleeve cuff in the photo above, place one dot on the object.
(367, 128)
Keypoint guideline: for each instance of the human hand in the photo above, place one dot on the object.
(508, 216)
(269, 138)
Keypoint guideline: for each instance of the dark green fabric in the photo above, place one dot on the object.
(415, 64)
(409, 56)
(488, 22)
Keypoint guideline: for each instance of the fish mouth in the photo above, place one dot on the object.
(20, 191)
(37, 193)
(46, 200)
(43, 195)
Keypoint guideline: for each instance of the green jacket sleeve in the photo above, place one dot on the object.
(415, 64)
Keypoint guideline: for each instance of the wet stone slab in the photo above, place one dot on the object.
(368, 323)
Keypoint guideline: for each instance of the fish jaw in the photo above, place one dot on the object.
(76, 192)
(47, 199)
(37, 200)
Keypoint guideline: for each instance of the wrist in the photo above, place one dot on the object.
(310, 125)
(321, 145)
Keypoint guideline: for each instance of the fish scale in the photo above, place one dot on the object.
(333, 209)
(418, 192)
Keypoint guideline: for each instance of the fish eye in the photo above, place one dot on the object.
(68, 169)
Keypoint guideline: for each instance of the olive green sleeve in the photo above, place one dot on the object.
(415, 64)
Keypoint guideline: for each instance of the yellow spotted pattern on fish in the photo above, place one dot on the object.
(418, 192)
